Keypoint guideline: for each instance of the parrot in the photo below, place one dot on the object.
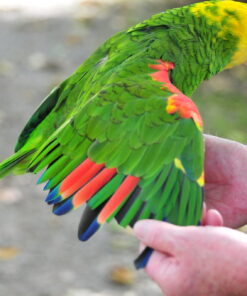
(122, 135)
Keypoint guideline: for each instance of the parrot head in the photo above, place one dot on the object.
(231, 19)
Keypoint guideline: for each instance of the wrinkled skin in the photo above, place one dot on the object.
(195, 261)
(226, 186)
(209, 260)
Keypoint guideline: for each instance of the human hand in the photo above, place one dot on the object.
(195, 261)
(225, 174)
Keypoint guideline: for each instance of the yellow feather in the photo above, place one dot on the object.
(200, 180)
(178, 165)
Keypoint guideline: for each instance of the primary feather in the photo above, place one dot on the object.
(121, 133)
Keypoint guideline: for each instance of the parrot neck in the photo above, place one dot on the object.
(191, 68)
(186, 80)
(200, 39)
(197, 54)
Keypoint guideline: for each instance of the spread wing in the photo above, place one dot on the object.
(133, 151)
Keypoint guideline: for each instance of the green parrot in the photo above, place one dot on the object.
(121, 134)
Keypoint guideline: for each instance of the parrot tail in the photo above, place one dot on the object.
(16, 163)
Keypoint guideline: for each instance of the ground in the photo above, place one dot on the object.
(41, 45)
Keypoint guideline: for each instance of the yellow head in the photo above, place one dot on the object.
(231, 16)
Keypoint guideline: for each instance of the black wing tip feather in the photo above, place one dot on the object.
(88, 224)
(142, 260)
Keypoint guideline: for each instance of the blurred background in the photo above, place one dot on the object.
(41, 43)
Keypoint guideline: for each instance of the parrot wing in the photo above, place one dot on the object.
(70, 95)
(57, 107)
(133, 151)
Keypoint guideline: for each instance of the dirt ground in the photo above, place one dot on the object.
(39, 252)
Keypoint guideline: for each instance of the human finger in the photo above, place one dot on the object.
(158, 235)
(214, 218)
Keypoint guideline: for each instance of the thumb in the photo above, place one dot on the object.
(161, 236)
